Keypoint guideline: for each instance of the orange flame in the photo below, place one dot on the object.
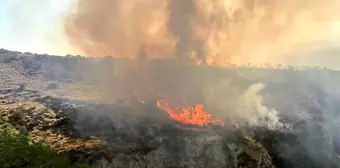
(188, 115)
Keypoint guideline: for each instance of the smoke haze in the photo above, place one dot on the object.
(213, 32)
(216, 32)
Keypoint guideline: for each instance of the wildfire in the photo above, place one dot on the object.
(188, 115)
(213, 32)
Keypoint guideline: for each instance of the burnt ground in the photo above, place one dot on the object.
(59, 107)
(91, 133)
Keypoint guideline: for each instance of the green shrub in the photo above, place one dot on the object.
(16, 151)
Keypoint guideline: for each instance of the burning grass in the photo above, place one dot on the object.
(188, 115)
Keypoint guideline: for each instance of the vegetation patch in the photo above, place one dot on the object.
(17, 151)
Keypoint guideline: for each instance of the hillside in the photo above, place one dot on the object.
(103, 112)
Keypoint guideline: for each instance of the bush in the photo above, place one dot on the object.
(16, 151)
(9, 59)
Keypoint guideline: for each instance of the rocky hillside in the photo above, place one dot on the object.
(102, 111)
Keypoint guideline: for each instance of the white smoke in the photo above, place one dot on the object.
(250, 109)
(241, 107)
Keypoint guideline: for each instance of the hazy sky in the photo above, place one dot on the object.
(33, 25)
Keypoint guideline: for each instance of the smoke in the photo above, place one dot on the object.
(120, 28)
(213, 32)
(216, 32)
(250, 108)
(241, 104)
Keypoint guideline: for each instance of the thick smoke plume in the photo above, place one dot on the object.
(216, 32)
(213, 32)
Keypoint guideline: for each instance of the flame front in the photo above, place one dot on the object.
(188, 115)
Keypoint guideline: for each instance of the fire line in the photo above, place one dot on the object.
(188, 115)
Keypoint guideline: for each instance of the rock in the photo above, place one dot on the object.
(17, 116)
(52, 86)
(311, 146)
(198, 152)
